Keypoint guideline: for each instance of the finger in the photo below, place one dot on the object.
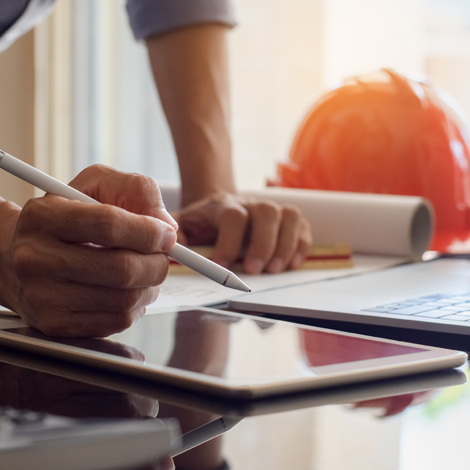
(265, 221)
(104, 404)
(288, 239)
(82, 324)
(304, 243)
(103, 225)
(232, 227)
(166, 463)
(90, 265)
(181, 236)
(106, 346)
(73, 297)
(131, 191)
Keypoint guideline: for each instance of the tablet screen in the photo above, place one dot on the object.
(241, 347)
(235, 349)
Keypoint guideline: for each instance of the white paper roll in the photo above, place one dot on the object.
(369, 223)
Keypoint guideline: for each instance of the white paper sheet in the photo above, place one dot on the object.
(194, 289)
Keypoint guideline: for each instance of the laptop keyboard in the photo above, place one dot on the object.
(448, 307)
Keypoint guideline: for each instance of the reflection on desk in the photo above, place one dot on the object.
(305, 435)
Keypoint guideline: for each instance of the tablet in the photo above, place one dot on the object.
(232, 355)
(67, 374)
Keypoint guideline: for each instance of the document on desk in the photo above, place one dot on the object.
(194, 289)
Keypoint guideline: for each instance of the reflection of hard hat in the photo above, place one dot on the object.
(386, 133)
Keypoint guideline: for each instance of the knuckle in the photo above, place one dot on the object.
(235, 214)
(22, 260)
(123, 271)
(268, 210)
(143, 182)
(108, 224)
(31, 216)
(124, 320)
(128, 299)
(144, 187)
(162, 271)
(95, 168)
(291, 213)
(150, 236)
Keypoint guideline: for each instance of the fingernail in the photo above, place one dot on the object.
(254, 266)
(297, 261)
(166, 463)
(164, 215)
(276, 265)
(168, 239)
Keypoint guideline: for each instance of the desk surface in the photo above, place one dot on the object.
(422, 430)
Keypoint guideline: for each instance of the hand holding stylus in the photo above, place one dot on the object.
(87, 269)
(156, 209)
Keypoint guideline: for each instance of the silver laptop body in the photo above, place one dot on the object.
(433, 296)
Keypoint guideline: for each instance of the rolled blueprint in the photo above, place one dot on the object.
(370, 223)
(375, 224)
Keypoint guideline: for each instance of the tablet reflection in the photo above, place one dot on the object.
(24, 388)
(392, 406)
(28, 389)
(199, 346)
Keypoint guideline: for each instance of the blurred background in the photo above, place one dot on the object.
(80, 85)
(78, 90)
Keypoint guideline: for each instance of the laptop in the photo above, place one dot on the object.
(432, 296)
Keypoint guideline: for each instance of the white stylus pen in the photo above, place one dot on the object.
(206, 432)
(179, 253)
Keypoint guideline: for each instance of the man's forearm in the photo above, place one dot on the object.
(191, 73)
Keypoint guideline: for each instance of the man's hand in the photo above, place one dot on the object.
(276, 237)
(78, 269)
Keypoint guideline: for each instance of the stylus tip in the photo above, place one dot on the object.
(243, 287)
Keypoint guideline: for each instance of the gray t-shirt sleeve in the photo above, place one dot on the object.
(10, 11)
(149, 17)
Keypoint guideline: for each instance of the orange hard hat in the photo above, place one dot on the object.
(390, 134)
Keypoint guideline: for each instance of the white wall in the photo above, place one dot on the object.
(364, 35)
(276, 57)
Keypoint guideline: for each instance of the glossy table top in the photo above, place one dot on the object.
(423, 425)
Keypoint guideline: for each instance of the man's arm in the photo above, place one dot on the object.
(191, 72)
(190, 67)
